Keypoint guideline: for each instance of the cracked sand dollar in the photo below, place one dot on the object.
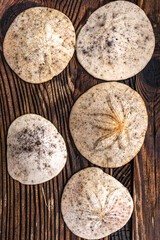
(94, 204)
(108, 124)
(117, 41)
(39, 44)
(36, 152)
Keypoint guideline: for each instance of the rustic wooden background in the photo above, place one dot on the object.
(25, 214)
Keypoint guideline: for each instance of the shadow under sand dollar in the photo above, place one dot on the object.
(151, 73)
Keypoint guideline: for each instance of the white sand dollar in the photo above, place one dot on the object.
(39, 44)
(108, 124)
(94, 204)
(116, 42)
(36, 152)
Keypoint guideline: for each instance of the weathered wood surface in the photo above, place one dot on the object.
(23, 211)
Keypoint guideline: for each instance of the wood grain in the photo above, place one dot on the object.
(146, 184)
(33, 212)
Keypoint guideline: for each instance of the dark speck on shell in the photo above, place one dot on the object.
(29, 140)
(84, 51)
(38, 143)
(102, 24)
(109, 43)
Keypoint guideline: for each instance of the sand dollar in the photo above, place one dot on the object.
(108, 124)
(94, 204)
(39, 44)
(36, 152)
(116, 42)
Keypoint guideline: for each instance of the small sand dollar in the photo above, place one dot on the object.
(116, 42)
(36, 152)
(39, 44)
(108, 124)
(94, 204)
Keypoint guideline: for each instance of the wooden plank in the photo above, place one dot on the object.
(33, 212)
(152, 9)
(146, 187)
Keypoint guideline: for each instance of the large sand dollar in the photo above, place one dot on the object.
(94, 204)
(39, 44)
(108, 124)
(116, 42)
(36, 152)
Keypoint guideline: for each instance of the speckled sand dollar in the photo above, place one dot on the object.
(116, 42)
(39, 44)
(36, 152)
(94, 204)
(108, 124)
